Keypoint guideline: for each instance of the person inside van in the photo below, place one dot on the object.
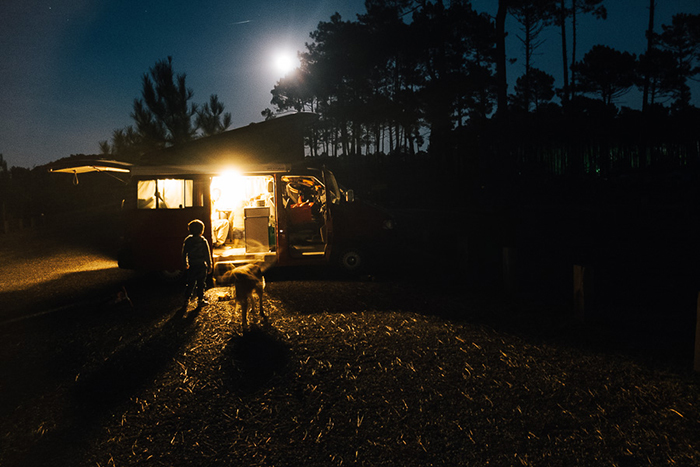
(220, 224)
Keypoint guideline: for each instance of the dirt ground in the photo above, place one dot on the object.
(343, 372)
(418, 365)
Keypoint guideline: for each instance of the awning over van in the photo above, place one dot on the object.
(89, 166)
(143, 171)
(86, 166)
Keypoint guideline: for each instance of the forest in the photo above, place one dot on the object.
(415, 93)
(426, 81)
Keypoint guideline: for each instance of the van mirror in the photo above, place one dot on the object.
(349, 196)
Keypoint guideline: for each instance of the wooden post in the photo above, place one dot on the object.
(696, 365)
(583, 290)
(508, 270)
(5, 222)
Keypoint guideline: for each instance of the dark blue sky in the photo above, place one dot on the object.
(70, 70)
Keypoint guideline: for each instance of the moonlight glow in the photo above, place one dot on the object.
(284, 62)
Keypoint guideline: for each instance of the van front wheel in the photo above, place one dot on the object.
(352, 261)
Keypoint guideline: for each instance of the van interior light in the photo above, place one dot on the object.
(232, 191)
(229, 175)
(228, 190)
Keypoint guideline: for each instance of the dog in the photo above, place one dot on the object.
(246, 280)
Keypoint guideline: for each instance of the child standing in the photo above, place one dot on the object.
(196, 259)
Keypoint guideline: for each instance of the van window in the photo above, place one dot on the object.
(331, 187)
(165, 194)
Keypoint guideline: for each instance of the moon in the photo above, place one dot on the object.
(285, 62)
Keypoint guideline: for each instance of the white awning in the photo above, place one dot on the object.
(87, 166)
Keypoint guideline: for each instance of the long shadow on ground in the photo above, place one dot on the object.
(105, 385)
(254, 358)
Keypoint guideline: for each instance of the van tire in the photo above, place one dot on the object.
(352, 261)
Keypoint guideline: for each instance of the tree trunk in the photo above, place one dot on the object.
(650, 45)
(391, 138)
(528, 59)
(501, 79)
(565, 95)
(574, 6)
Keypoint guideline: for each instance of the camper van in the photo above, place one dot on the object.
(258, 201)
(280, 215)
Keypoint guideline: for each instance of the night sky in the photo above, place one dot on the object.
(70, 70)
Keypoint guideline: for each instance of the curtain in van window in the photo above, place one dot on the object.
(165, 194)
(147, 194)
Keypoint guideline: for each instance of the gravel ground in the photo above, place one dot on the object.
(44, 269)
(342, 373)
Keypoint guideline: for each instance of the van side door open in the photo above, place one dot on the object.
(243, 218)
(305, 214)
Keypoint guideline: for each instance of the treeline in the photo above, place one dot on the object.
(411, 76)
(548, 156)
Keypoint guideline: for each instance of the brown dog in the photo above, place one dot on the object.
(246, 280)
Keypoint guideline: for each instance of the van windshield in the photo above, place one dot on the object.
(332, 187)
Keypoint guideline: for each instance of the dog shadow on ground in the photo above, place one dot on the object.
(254, 358)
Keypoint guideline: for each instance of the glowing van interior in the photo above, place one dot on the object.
(243, 213)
